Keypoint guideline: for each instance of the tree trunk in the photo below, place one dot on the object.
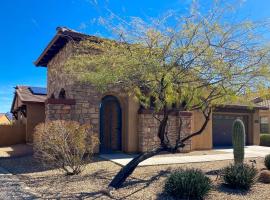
(127, 170)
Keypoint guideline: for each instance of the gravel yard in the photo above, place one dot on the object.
(145, 182)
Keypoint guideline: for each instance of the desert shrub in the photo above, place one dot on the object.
(265, 140)
(190, 184)
(267, 161)
(239, 176)
(66, 145)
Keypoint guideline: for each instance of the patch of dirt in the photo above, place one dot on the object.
(145, 183)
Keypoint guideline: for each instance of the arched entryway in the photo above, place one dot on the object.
(110, 125)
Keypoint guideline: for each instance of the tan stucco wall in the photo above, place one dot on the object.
(204, 140)
(256, 128)
(12, 134)
(4, 120)
(35, 115)
(132, 124)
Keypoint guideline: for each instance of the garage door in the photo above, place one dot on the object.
(222, 128)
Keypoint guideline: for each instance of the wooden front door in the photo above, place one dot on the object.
(110, 125)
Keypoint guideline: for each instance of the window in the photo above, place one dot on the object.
(264, 125)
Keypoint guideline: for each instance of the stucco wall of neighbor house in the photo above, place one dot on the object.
(204, 140)
(12, 134)
(4, 120)
(35, 115)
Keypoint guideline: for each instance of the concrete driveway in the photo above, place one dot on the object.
(198, 156)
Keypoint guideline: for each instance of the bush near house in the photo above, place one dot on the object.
(265, 140)
(64, 144)
(189, 184)
(239, 176)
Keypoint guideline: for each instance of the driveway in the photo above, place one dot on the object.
(199, 156)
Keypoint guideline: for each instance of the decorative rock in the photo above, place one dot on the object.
(264, 176)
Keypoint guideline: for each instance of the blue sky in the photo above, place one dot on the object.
(26, 27)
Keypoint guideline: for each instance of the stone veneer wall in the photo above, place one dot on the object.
(82, 100)
(148, 128)
(82, 104)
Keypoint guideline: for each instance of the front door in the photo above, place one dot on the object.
(110, 125)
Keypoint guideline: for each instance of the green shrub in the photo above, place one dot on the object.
(66, 145)
(267, 161)
(190, 184)
(265, 140)
(239, 176)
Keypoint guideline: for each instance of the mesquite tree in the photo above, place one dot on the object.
(197, 61)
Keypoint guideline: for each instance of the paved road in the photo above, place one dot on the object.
(11, 188)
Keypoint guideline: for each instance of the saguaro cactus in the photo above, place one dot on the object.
(238, 140)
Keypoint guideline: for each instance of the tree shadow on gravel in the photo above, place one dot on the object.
(28, 164)
(225, 189)
(103, 175)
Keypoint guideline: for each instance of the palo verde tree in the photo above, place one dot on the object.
(199, 61)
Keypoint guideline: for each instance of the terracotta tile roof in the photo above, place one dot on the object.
(25, 95)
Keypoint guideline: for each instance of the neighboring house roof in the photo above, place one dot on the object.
(262, 102)
(27, 94)
(9, 116)
(62, 37)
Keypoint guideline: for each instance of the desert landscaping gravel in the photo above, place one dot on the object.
(145, 182)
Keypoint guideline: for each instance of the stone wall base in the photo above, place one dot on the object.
(148, 128)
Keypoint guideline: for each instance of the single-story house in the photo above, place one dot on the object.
(119, 121)
(4, 119)
(28, 108)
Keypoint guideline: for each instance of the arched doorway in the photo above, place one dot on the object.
(110, 125)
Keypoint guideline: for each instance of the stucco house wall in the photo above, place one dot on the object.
(82, 103)
(35, 115)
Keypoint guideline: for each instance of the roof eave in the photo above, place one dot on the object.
(37, 63)
(256, 107)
